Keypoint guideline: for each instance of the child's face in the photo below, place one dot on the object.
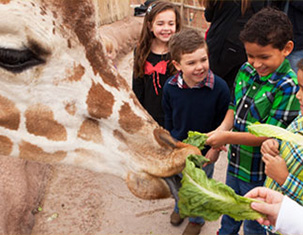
(299, 94)
(194, 66)
(266, 59)
(164, 25)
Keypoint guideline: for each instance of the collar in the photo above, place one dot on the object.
(178, 80)
(272, 78)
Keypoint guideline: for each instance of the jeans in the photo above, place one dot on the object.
(228, 224)
(294, 58)
(209, 171)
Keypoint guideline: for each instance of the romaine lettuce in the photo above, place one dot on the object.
(196, 138)
(268, 130)
(208, 198)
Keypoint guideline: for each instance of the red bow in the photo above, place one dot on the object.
(158, 68)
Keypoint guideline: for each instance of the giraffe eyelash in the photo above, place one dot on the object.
(17, 61)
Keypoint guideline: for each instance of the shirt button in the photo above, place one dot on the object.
(238, 122)
(245, 106)
(254, 87)
(233, 154)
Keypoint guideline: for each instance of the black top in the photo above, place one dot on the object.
(149, 88)
(226, 51)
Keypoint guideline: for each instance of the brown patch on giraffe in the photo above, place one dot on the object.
(69, 43)
(4, 1)
(90, 131)
(40, 121)
(32, 152)
(71, 108)
(80, 17)
(9, 114)
(128, 120)
(6, 145)
(78, 72)
(99, 101)
(119, 135)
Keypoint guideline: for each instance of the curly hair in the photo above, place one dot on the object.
(268, 27)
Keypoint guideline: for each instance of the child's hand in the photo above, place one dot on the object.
(216, 139)
(212, 155)
(271, 147)
(275, 168)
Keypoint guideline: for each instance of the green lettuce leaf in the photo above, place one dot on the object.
(198, 160)
(268, 130)
(196, 138)
(208, 198)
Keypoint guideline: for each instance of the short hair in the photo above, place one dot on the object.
(300, 64)
(184, 42)
(269, 26)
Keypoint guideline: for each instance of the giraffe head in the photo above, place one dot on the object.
(62, 101)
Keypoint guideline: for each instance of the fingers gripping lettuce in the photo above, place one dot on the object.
(196, 138)
(200, 196)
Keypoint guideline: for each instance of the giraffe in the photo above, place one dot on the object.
(62, 101)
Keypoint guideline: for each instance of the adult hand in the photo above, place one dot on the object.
(271, 206)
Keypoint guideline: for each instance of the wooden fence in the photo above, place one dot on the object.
(192, 12)
(113, 10)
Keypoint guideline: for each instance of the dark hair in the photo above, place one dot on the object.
(146, 37)
(269, 26)
(184, 42)
(300, 64)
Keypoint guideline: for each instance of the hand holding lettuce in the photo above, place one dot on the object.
(200, 196)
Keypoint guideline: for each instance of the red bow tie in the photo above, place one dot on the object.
(158, 68)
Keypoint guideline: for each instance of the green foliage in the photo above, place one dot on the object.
(196, 138)
(271, 131)
(208, 198)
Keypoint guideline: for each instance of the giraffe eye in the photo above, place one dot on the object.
(18, 60)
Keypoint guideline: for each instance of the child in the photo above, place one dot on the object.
(286, 175)
(264, 92)
(193, 100)
(151, 62)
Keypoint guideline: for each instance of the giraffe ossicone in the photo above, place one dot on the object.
(61, 99)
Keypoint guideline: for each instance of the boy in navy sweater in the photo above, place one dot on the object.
(194, 99)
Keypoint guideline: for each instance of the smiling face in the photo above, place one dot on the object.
(164, 25)
(266, 59)
(194, 66)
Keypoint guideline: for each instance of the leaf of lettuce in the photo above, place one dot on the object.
(268, 130)
(208, 198)
(198, 160)
(196, 138)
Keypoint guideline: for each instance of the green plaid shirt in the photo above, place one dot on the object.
(269, 99)
(293, 156)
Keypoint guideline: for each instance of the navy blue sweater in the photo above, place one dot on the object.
(194, 109)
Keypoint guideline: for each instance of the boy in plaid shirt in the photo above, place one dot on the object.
(264, 91)
(286, 174)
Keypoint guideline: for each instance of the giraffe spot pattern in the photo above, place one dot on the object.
(6, 145)
(99, 102)
(32, 152)
(129, 121)
(90, 131)
(9, 114)
(40, 121)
